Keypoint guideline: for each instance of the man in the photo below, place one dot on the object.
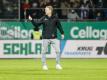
(50, 24)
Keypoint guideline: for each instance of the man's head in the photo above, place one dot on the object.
(48, 10)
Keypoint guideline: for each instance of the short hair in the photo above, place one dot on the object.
(50, 7)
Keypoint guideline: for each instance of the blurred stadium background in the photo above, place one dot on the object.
(85, 26)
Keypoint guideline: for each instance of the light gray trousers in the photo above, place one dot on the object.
(55, 44)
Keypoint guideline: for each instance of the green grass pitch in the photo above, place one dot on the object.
(73, 69)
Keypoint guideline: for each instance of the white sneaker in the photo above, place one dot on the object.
(58, 67)
(45, 67)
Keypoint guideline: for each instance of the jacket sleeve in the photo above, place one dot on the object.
(37, 22)
(59, 26)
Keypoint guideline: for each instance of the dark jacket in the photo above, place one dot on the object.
(50, 26)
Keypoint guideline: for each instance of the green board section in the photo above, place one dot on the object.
(73, 30)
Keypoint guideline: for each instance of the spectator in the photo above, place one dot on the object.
(56, 6)
(99, 15)
(8, 9)
(71, 3)
(72, 15)
(100, 4)
(43, 3)
(84, 10)
(64, 9)
(25, 6)
(76, 4)
(35, 9)
(35, 4)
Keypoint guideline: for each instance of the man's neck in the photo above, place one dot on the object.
(49, 15)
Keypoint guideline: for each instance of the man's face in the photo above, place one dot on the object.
(48, 11)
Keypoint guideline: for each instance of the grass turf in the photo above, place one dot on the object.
(73, 69)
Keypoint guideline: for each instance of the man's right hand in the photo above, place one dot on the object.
(30, 18)
(62, 36)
